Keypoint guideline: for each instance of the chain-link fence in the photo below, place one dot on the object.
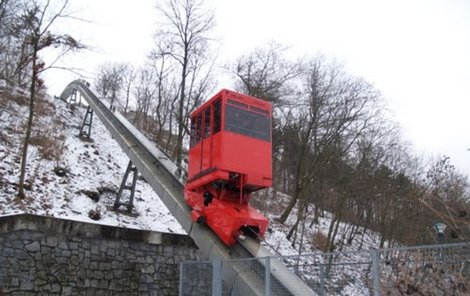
(426, 270)
(422, 270)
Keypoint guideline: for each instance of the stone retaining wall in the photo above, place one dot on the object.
(46, 256)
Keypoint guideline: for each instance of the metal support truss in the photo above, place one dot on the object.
(124, 186)
(86, 123)
(73, 97)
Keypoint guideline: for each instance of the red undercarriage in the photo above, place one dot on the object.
(226, 212)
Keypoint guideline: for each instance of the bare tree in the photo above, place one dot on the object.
(166, 92)
(186, 28)
(144, 92)
(267, 75)
(3, 11)
(38, 18)
(334, 109)
(7, 12)
(128, 76)
(14, 51)
(109, 81)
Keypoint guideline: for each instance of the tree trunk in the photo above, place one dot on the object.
(335, 223)
(113, 97)
(179, 139)
(330, 232)
(302, 233)
(301, 217)
(333, 236)
(168, 146)
(316, 215)
(29, 125)
(298, 183)
(128, 90)
(352, 234)
(288, 209)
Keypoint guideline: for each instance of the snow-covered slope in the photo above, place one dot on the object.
(93, 170)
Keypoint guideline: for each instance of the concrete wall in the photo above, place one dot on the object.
(46, 256)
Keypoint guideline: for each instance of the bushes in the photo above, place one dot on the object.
(319, 240)
(50, 142)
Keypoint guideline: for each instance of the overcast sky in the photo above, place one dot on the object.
(416, 52)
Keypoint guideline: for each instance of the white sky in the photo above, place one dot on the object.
(416, 52)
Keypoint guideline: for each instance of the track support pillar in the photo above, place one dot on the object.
(73, 98)
(85, 129)
(131, 168)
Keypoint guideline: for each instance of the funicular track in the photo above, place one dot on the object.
(161, 174)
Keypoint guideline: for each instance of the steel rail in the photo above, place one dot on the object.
(160, 174)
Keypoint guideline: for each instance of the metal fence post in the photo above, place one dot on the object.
(267, 277)
(374, 253)
(322, 280)
(216, 278)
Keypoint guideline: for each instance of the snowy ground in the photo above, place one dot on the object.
(94, 171)
(93, 174)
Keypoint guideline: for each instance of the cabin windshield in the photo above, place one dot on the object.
(247, 123)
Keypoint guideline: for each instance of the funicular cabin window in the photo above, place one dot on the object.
(197, 129)
(192, 133)
(247, 123)
(259, 110)
(207, 122)
(236, 103)
(217, 116)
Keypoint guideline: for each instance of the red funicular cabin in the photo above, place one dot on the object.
(229, 158)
